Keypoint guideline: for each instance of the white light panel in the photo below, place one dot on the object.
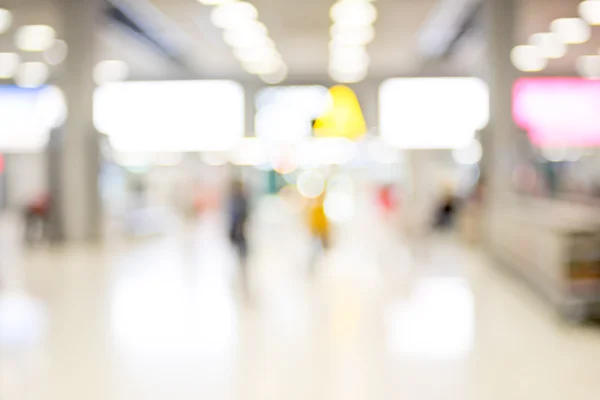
(171, 116)
(27, 117)
(432, 113)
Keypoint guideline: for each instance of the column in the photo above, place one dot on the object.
(368, 97)
(251, 89)
(78, 196)
(500, 136)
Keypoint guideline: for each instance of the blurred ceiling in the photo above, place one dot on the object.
(115, 40)
(535, 16)
(186, 44)
(300, 29)
(532, 16)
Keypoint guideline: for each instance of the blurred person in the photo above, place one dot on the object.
(445, 211)
(139, 192)
(319, 227)
(238, 216)
(37, 218)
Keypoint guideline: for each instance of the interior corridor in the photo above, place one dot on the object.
(167, 318)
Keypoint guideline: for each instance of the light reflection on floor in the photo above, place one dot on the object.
(437, 321)
(166, 319)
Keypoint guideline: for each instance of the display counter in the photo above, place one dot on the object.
(554, 246)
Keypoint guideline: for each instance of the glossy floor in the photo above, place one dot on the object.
(167, 318)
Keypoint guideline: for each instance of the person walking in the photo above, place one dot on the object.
(238, 216)
(319, 228)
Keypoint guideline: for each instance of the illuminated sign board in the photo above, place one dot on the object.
(432, 113)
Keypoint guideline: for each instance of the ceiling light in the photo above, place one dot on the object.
(57, 53)
(353, 13)
(110, 71)
(277, 77)
(357, 36)
(229, 15)
(571, 30)
(528, 58)
(549, 45)
(35, 37)
(589, 66)
(250, 27)
(5, 20)
(9, 62)
(590, 11)
(32, 74)
(249, 38)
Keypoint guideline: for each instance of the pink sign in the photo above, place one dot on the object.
(558, 111)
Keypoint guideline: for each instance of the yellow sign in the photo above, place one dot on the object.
(343, 117)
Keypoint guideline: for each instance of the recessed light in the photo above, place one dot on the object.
(5, 20)
(9, 62)
(590, 11)
(353, 13)
(571, 30)
(549, 45)
(277, 77)
(589, 66)
(229, 15)
(35, 37)
(528, 58)
(32, 74)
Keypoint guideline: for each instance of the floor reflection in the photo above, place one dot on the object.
(435, 322)
(23, 331)
(23, 320)
(166, 319)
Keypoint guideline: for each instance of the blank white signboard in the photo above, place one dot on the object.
(171, 116)
(432, 113)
